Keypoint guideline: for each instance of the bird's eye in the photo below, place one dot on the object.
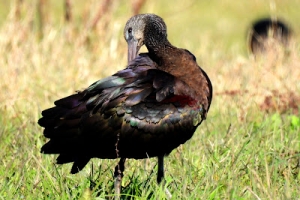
(130, 30)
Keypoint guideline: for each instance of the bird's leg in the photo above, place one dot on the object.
(118, 175)
(161, 176)
(160, 171)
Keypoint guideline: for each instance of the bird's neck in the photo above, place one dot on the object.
(181, 65)
(159, 51)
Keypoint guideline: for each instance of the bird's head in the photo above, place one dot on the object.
(143, 29)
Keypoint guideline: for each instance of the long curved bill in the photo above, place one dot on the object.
(133, 49)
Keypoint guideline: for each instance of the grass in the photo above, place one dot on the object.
(248, 148)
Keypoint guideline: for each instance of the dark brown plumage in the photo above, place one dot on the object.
(265, 29)
(145, 110)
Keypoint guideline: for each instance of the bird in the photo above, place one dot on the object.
(265, 29)
(145, 110)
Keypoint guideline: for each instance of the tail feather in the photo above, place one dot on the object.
(62, 124)
(64, 158)
(57, 146)
(63, 120)
(54, 111)
(71, 101)
(61, 133)
(79, 162)
(58, 113)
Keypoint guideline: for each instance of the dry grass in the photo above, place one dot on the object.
(269, 81)
(247, 149)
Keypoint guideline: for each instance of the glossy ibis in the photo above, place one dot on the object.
(145, 110)
(266, 33)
